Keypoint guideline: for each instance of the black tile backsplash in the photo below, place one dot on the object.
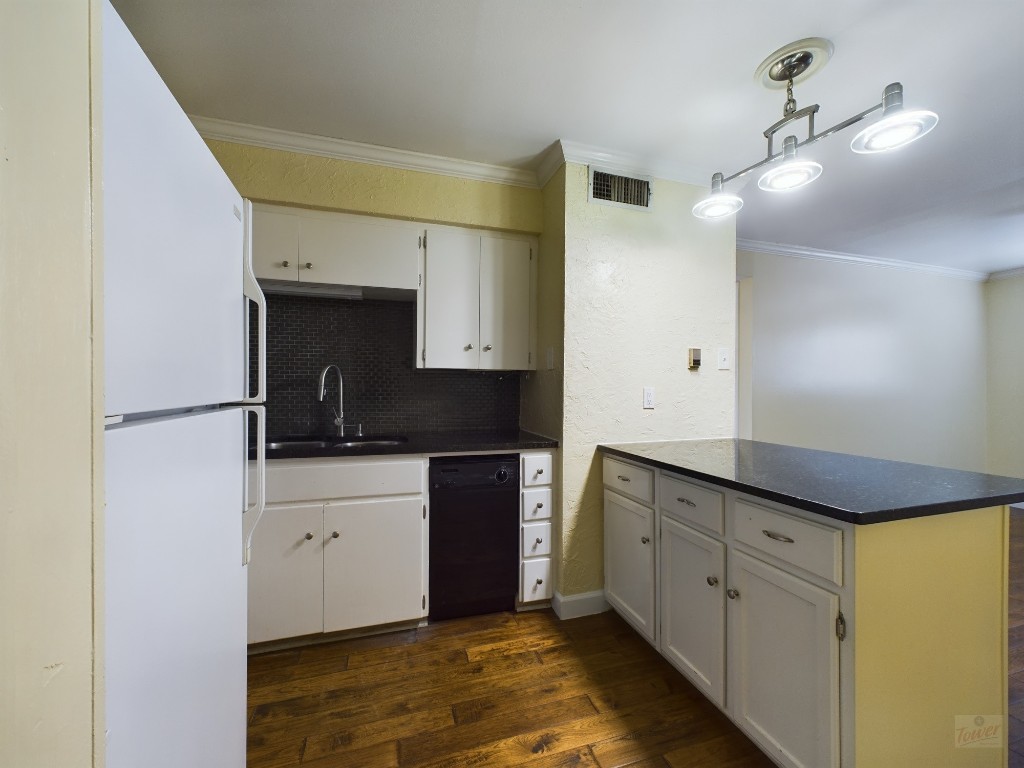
(373, 342)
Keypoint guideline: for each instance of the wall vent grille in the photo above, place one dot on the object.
(615, 189)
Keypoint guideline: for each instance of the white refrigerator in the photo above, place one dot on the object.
(177, 291)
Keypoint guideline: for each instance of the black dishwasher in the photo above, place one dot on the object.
(474, 534)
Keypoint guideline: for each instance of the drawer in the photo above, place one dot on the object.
(815, 548)
(536, 539)
(342, 479)
(536, 469)
(536, 504)
(692, 503)
(632, 481)
(536, 584)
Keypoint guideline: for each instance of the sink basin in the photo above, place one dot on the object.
(360, 441)
(281, 445)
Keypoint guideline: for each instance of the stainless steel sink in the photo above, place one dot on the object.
(368, 441)
(286, 444)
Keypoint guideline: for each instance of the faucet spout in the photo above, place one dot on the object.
(340, 420)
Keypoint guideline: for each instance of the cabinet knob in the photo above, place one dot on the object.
(732, 593)
(488, 348)
(540, 541)
(309, 537)
(335, 535)
(286, 264)
(540, 505)
(540, 581)
(540, 471)
(644, 540)
(468, 347)
(309, 265)
(712, 581)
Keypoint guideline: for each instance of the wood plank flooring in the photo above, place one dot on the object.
(516, 690)
(498, 690)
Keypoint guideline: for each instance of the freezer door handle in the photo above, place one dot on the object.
(252, 513)
(252, 291)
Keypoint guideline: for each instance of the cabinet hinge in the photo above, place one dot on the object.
(424, 239)
(423, 354)
(424, 602)
(421, 281)
(424, 511)
(419, 241)
(841, 626)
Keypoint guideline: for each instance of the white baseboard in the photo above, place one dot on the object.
(574, 606)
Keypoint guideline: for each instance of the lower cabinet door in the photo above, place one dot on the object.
(784, 663)
(373, 562)
(629, 561)
(693, 606)
(286, 587)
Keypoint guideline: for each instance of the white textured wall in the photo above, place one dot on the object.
(868, 360)
(1005, 304)
(49, 400)
(640, 288)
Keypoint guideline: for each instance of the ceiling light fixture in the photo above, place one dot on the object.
(795, 63)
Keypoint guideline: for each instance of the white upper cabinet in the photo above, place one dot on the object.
(299, 246)
(477, 302)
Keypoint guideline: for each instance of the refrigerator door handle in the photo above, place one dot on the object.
(252, 513)
(251, 290)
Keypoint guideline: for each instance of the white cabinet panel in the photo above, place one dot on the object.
(692, 503)
(629, 561)
(784, 663)
(536, 469)
(817, 549)
(373, 562)
(693, 606)
(504, 304)
(324, 479)
(286, 586)
(452, 288)
(628, 479)
(536, 539)
(536, 580)
(173, 247)
(536, 504)
(349, 250)
(275, 244)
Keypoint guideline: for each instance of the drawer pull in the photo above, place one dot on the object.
(335, 535)
(777, 536)
(540, 541)
(540, 581)
(681, 500)
(488, 348)
(540, 505)
(540, 471)
(623, 478)
(309, 537)
(644, 540)
(309, 265)
(732, 593)
(712, 581)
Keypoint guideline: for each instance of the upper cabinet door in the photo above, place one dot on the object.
(346, 250)
(452, 288)
(275, 244)
(504, 304)
(174, 310)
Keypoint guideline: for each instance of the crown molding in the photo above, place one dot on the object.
(799, 252)
(1006, 274)
(564, 151)
(340, 149)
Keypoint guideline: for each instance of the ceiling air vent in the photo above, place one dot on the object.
(623, 191)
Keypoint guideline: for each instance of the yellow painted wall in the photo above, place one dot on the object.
(50, 502)
(292, 178)
(1004, 300)
(930, 637)
(640, 288)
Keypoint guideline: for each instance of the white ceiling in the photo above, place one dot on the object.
(667, 82)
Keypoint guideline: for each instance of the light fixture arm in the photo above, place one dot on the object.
(813, 137)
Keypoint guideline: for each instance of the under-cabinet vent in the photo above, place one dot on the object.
(614, 189)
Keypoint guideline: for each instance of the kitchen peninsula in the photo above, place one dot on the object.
(841, 610)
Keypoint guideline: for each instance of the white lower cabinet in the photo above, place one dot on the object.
(373, 562)
(536, 532)
(693, 606)
(629, 561)
(325, 563)
(784, 663)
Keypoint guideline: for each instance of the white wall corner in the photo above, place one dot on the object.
(1006, 274)
(574, 606)
(800, 252)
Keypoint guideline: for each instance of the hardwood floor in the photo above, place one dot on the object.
(498, 690)
(516, 689)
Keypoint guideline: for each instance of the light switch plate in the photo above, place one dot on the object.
(724, 358)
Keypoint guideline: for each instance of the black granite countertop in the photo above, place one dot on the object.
(855, 489)
(414, 442)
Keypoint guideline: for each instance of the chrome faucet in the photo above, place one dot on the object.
(339, 414)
